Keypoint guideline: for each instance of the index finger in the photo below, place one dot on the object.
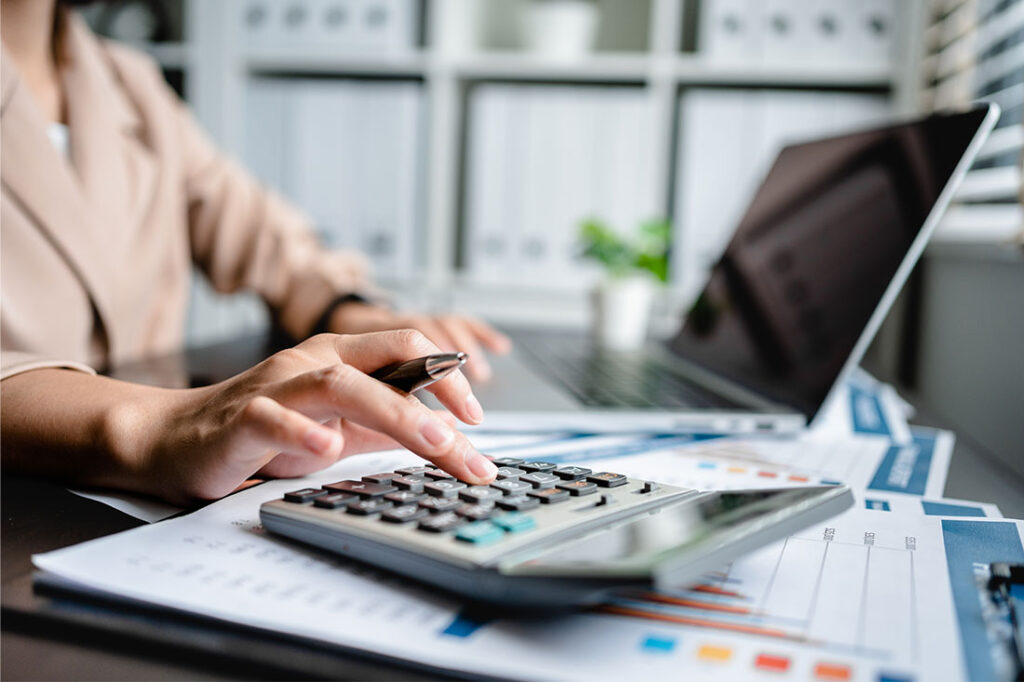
(368, 352)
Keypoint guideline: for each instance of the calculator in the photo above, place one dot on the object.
(542, 536)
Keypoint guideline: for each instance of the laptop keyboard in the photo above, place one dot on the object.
(604, 379)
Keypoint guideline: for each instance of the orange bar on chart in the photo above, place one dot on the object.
(776, 664)
(716, 654)
(737, 470)
(767, 474)
(832, 671)
(798, 479)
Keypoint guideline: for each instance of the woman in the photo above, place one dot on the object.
(109, 193)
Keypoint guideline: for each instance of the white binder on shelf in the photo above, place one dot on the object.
(729, 31)
(541, 159)
(349, 154)
(335, 23)
(785, 28)
(877, 29)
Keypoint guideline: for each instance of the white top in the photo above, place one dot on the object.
(58, 134)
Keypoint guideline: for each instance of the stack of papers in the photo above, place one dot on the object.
(885, 591)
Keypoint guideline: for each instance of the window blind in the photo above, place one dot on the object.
(975, 51)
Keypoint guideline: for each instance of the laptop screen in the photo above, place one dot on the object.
(810, 261)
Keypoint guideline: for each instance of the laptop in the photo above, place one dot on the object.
(787, 312)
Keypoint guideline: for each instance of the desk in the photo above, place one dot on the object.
(43, 640)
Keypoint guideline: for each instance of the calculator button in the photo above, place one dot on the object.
(444, 488)
(571, 473)
(479, 493)
(334, 500)
(481, 533)
(368, 507)
(550, 495)
(383, 479)
(514, 522)
(404, 514)
(506, 462)
(440, 504)
(540, 479)
(510, 486)
(404, 497)
(361, 488)
(437, 474)
(537, 466)
(475, 512)
(649, 487)
(518, 502)
(411, 483)
(580, 487)
(509, 472)
(413, 471)
(441, 523)
(607, 479)
(304, 495)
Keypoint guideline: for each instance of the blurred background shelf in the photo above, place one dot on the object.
(522, 117)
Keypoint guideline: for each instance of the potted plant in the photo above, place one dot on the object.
(632, 268)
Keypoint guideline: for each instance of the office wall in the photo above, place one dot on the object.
(970, 363)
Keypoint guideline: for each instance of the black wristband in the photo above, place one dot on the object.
(323, 322)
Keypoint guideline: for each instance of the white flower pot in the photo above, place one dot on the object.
(622, 310)
(560, 29)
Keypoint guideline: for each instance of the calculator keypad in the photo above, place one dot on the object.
(540, 479)
(518, 503)
(577, 488)
(368, 507)
(334, 500)
(549, 495)
(363, 489)
(444, 488)
(425, 501)
(441, 523)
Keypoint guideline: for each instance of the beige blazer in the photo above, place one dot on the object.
(97, 249)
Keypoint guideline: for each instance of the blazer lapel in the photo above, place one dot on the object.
(43, 183)
(115, 170)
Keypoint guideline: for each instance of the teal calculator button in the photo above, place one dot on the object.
(481, 533)
(514, 522)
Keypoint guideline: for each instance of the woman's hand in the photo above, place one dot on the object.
(450, 332)
(295, 413)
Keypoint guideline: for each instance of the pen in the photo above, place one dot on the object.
(412, 375)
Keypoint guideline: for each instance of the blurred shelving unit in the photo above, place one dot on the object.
(453, 47)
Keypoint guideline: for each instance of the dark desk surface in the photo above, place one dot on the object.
(41, 641)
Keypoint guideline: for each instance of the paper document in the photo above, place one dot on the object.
(866, 594)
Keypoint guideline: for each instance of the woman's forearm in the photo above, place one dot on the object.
(295, 413)
(79, 428)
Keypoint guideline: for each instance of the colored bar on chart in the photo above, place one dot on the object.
(697, 622)
(832, 671)
(776, 664)
(767, 474)
(737, 470)
(658, 644)
(798, 479)
(715, 654)
(712, 589)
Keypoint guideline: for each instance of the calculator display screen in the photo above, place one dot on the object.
(695, 527)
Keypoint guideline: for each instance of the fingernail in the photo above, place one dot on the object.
(319, 440)
(476, 413)
(435, 432)
(480, 465)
